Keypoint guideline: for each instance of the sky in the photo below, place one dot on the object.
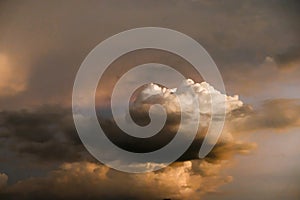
(256, 46)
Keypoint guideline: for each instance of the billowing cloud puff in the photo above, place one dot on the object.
(203, 92)
(190, 94)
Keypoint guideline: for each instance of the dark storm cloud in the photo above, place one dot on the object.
(47, 134)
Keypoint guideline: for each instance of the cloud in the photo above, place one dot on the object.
(39, 39)
(288, 59)
(3, 181)
(46, 133)
(13, 80)
(54, 126)
(264, 80)
(275, 114)
(187, 180)
(153, 94)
